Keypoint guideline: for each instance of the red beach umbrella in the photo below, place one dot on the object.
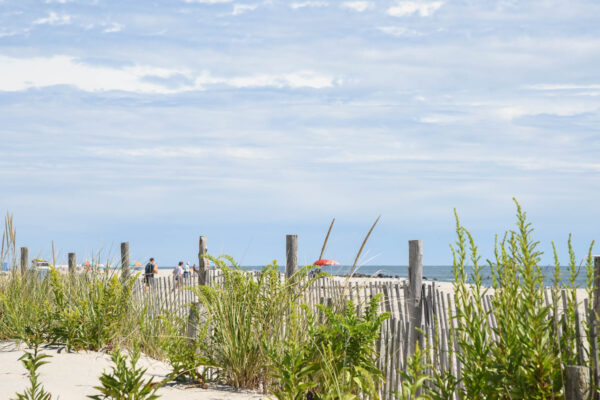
(323, 261)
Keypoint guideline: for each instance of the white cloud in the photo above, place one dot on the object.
(358, 6)
(8, 33)
(114, 27)
(177, 152)
(406, 8)
(57, 1)
(209, 1)
(551, 87)
(292, 80)
(304, 4)
(399, 31)
(18, 74)
(54, 19)
(242, 8)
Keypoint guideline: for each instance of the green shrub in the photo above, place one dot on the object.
(89, 310)
(337, 360)
(293, 372)
(247, 315)
(185, 355)
(25, 309)
(521, 357)
(126, 382)
(344, 347)
(414, 378)
(32, 362)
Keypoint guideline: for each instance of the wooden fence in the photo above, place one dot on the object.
(419, 312)
(436, 308)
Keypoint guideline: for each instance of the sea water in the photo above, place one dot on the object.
(441, 273)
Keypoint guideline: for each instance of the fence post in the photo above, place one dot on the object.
(415, 283)
(577, 383)
(24, 260)
(125, 260)
(594, 325)
(291, 255)
(192, 322)
(72, 263)
(202, 251)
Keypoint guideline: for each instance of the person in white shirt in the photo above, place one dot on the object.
(178, 274)
(186, 270)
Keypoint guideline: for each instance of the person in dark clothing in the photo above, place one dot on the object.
(151, 269)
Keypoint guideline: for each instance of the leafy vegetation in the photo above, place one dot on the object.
(32, 361)
(185, 354)
(521, 355)
(247, 315)
(126, 382)
(337, 360)
(254, 330)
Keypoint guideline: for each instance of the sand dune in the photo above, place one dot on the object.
(72, 376)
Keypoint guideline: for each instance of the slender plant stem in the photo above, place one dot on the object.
(326, 239)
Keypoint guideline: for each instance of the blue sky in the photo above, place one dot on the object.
(158, 121)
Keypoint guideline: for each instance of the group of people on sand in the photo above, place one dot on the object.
(180, 272)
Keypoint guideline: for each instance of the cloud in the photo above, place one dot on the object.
(399, 31)
(18, 74)
(8, 33)
(54, 19)
(114, 27)
(304, 4)
(358, 6)
(292, 80)
(57, 1)
(209, 1)
(552, 87)
(242, 8)
(406, 8)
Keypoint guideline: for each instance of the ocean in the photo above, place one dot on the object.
(441, 273)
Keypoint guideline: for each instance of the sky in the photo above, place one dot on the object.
(155, 122)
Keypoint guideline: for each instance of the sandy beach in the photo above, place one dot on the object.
(72, 376)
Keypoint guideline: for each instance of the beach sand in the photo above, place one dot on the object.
(72, 376)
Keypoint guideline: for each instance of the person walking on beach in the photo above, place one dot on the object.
(178, 274)
(150, 270)
(195, 270)
(186, 270)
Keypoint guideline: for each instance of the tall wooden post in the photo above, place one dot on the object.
(24, 260)
(192, 322)
(72, 263)
(125, 260)
(594, 325)
(415, 283)
(577, 383)
(291, 255)
(202, 251)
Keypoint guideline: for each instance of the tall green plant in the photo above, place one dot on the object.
(344, 345)
(520, 356)
(414, 378)
(25, 309)
(526, 368)
(32, 362)
(338, 359)
(185, 354)
(472, 334)
(88, 310)
(247, 315)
